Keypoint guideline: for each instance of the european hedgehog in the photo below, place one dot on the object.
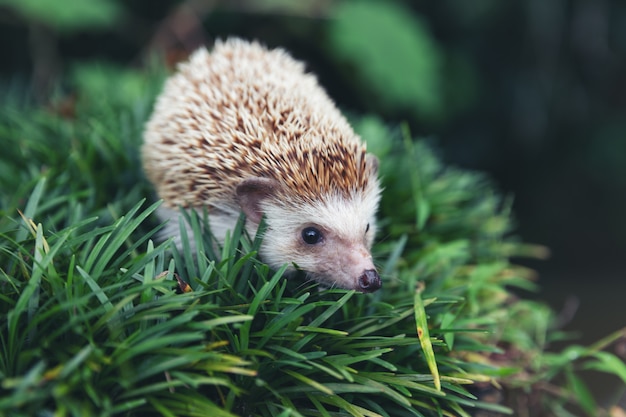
(244, 128)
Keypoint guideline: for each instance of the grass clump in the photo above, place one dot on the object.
(98, 319)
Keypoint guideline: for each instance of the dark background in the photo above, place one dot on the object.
(532, 92)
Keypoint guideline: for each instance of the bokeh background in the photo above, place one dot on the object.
(532, 92)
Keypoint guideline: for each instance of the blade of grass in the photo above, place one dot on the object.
(31, 207)
(424, 336)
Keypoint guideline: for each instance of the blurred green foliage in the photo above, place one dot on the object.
(78, 15)
(392, 53)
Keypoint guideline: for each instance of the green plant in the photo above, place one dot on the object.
(74, 16)
(95, 319)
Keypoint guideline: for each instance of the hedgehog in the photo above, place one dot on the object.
(244, 128)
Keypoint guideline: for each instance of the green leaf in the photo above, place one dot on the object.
(75, 15)
(344, 405)
(424, 337)
(399, 60)
(98, 291)
(321, 330)
(609, 363)
(308, 381)
(581, 392)
(31, 208)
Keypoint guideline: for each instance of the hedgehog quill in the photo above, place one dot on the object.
(245, 128)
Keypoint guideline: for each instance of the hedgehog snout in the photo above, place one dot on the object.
(369, 281)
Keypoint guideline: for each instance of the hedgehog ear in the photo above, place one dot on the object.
(372, 161)
(251, 192)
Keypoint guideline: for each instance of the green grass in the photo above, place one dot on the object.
(99, 318)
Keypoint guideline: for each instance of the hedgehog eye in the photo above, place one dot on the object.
(367, 228)
(311, 235)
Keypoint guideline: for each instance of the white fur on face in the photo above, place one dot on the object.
(348, 226)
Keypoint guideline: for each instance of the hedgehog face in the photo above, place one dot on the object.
(329, 238)
(335, 259)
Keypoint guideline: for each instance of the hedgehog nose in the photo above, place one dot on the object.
(369, 281)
